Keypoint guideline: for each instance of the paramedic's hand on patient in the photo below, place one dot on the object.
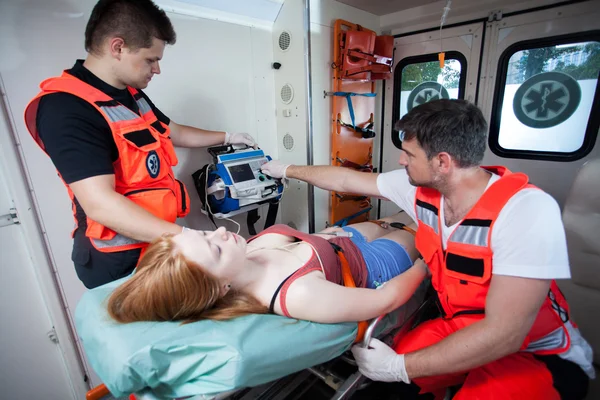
(239, 138)
(275, 169)
(380, 363)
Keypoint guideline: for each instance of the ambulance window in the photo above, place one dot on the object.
(420, 79)
(545, 93)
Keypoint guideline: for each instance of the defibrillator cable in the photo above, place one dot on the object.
(209, 210)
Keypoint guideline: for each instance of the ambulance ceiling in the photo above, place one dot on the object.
(265, 10)
(383, 7)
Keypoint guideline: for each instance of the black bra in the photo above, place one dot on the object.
(336, 248)
(271, 310)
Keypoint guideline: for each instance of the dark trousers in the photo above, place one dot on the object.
(95, 268)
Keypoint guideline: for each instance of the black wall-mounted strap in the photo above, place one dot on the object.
(253, 217)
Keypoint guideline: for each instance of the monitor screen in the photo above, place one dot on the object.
(241, 173)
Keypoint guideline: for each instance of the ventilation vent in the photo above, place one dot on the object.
(287, 93)
(288, 142)
(285, 40)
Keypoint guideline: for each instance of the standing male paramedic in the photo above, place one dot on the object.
(111, 146)
(495, 245)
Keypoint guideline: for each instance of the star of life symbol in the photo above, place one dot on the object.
(545, 100)
(153, 164)
(426, 92)
(426, 96)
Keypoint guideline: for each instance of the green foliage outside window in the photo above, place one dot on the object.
(414, 74)
(580, 60)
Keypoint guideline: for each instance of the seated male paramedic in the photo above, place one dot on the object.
(112, 147)
(494, 244)
(218, 275)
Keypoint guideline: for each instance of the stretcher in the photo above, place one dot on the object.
(212, 359)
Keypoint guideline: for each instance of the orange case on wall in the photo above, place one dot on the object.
(358, 46)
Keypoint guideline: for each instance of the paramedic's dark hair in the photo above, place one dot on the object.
(456, 127)
(135, 21)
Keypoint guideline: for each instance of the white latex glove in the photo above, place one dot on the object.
(275, 169)
(380, 363)
(239, 138)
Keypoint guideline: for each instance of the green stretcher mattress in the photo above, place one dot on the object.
(173, 360)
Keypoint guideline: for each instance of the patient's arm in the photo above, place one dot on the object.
(315, 299)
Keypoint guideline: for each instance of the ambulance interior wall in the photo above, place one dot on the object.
(323, 14)
(217, 76)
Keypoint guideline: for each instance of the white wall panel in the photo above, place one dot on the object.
(224, 83)
(254, 13)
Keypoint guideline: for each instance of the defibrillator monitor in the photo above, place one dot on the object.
(241, 173)
(235, 184)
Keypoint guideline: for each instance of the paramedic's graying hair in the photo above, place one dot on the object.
(135, 21)
(168, 287)
(456, 127)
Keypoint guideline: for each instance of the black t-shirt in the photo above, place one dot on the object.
(76, 136)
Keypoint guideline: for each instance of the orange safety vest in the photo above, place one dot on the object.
(143, 170)
(461, 275)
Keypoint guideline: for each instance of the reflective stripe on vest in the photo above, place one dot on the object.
(557, 339)
(143, 106)
(118, 241)
(428, 214)
(472, 231)
(116, 112)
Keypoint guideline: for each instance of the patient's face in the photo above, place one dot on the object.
(219, 252)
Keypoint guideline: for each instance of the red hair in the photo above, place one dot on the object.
(168, 287)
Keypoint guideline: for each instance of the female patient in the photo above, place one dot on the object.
(219, 275)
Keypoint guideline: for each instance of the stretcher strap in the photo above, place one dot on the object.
(367, 132)
(350, 164)
(344, 221)
(380, 64)
(397, 225)
(348, 280)
(400, 225)
(349, 197)
(348, 96)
